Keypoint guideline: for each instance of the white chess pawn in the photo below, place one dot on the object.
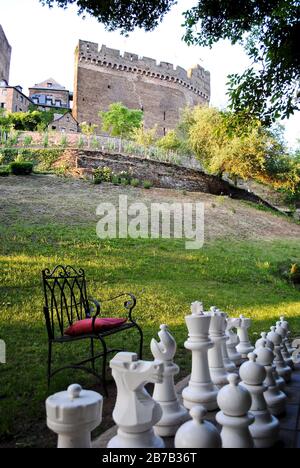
(244, 347)
(284, 323)
(234, 402)
(135, 412)
(285, 353)
(200, 390)
(198, 433)
(283, 370)
(269, 344)
(233, 341)
(275, 398)
(228, 363)
(265, 429)
(173, 414)
(215, 356)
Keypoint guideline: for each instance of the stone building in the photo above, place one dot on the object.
(12, 99)
(64, 123)
(49, 94)
(5, 55)
(105, 76)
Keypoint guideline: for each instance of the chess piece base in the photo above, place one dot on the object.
(174, 415)
(136, 440)
(200, 394)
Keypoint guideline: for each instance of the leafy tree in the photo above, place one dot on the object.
(269, 30)
(170, 141)
(120, 14)
(88, 130)
(144, 137)
(119, 121)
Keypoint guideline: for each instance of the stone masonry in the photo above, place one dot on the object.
(105, 76)
(5, 54)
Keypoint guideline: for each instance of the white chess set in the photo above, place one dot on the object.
(245, 384)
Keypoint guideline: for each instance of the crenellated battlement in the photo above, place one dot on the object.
(196, 79)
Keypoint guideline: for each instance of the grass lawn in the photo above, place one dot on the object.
(237, 276)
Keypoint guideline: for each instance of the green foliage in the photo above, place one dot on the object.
(147, 184)
(21, 168)
(269, 32)
(4, 171)
(169, 142)
(27, 140)
(63, 141)
(144, 137)
(119, 121)
(115, 179)
(135, 182)
(80, 143)
(46, 140)
(102, 174)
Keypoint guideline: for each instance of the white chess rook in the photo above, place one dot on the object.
(234, 417)
(173, 414)
(198, 433)
(73, 415)
(275, 398)
(265, 429)
(200, 390)
(244, 347)
(282, 369)
(215, 356)
(233, 340)
(135, 412)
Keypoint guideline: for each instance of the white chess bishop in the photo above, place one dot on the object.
(234, 417)
(198, 433)
(135, 412)
(173, 414)
(265, 429)
(215, 355)
(233, 340)
(244, 347)
(275, 398)
(281, 367)
(228, 363)
(269, 344)
(200, 390)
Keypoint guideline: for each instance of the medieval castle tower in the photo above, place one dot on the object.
(5, 54)
(105, 76)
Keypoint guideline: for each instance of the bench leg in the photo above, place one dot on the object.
(104, 364)
(49, 363)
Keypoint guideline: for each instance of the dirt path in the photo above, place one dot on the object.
(42, 199)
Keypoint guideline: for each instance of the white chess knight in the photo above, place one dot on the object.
(275, 398)
(173, 414)
(228, 363)
(265, 429)
(244, 347)
(233, 340)
(200, 390)
(135, 412)
(234, 402)
(284, 350)
(281, 367)
(215, 356)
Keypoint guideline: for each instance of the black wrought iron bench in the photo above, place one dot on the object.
(67, 303)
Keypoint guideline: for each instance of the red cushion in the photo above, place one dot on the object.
(85, 327)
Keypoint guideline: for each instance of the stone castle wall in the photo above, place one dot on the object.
(5, 54)
(160, 90)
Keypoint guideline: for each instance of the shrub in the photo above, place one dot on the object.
(102, 174)
(147, 184)
(124, 181)
(125, 175)
(27, 140)
(46, 140)
(135, 182)
(95, 143)
(63, 141)
(4, 171)
(115, 179)
(80, 142)
(21, 168)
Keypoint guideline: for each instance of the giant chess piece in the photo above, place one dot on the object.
(173, 414)
(228, 363)
(275, 398)
(282, 369)
(73, 415)
(233, 340)
(135, 412)
(198, 433)
(285, 325)
(234, 402)
(200, 390)
(284, 350)
(244, 347)
(265, 429)
(264, 341)
(215, 356)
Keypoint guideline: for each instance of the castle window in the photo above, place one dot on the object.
(165, 131)
(2, 105)
(49, 85)
(165, 114)
(109, 86)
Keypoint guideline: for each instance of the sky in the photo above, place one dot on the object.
(43, 42)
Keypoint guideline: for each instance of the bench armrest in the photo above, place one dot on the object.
(129, 304)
